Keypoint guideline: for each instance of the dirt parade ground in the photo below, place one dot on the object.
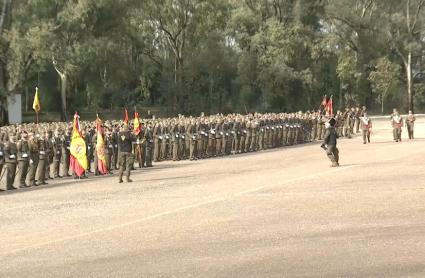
(277, 213)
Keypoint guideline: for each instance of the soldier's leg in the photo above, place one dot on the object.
(156, 150)
(108, 162)
(144, 155)
(364, 136)
(149, 153)
(10, 175)
(122, 165)
(41, 172)
(336, 155)
(330, 152)
(175, 149)
(31, 172)
(23, 165)
(56, 168)
(130, 161)
(96, 165)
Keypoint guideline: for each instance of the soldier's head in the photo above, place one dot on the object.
(332, 122)
(410, 112)
(24, 135)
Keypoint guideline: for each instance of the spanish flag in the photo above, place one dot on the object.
(125, 116)
(36, 104)
(137, 127)
(100, 148)
(78, 158)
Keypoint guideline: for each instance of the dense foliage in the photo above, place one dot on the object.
(213, 55)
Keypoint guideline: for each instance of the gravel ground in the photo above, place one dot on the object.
(278, 213)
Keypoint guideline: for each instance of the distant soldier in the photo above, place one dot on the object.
(23, 152)
(330, 142)
(358, 114)
(410, 123)
(57, 149)
(157, 138)
(193, 136)
(66, 153)
(10, 152)
(148, 136)
(42, 160)
(366, 127)
(397, 124)
(34, 159)
(109, 151)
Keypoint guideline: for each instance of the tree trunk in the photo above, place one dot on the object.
(410, 90)
(382, 104)
(27, 99)
(64, 81)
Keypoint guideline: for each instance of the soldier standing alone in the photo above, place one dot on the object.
(126, 158)
(330, 142)
(366, 126)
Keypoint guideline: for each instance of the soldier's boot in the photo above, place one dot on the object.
(120, 173)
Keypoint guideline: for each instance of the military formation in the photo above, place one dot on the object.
(32, 154)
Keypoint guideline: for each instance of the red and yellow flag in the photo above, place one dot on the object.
(137, 127)
(330, 108)
(100, 148)
(125, 116)
(78, 158)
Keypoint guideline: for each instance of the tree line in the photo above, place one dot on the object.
(213, 55)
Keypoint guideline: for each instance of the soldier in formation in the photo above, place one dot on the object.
(37, 153)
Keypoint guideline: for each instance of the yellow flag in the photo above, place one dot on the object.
(36, 104)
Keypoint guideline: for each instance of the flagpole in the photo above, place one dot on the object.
(36, 113)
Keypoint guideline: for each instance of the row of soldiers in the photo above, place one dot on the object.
(35, 153)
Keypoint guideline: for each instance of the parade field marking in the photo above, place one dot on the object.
(177, 210)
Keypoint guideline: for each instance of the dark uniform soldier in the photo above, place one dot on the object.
(66, 153)
(48, 144)
(109, 151)
(330, 142)
(34, 158)
(23, 152)
(57, 150)
(115, 140)
(126, 159)
(157, 142)
(10, 152)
